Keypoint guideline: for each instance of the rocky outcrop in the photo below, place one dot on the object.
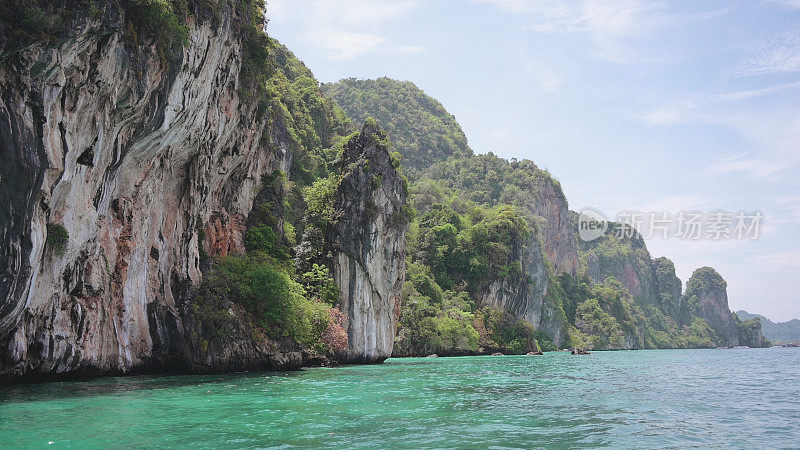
(552, 247)
(749, 332)
(558, 236)
(707, 298)
(368, 236)
(624, 258)
(148, 164)
(526, 298)
(669, 286)
(433, 146)
(244, 348)
(778, 332)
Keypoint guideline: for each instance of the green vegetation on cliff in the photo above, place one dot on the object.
(421, 129)
(750, 332)
(662, 316)
(476, 224)
(490, 180)
(287, 290)
(477, 219)
(160, 22)
(703, 280)
(456, 249)
(779, 332)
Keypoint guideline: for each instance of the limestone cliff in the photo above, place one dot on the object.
(133, 157)
(127, 164)
(707, 297)
(625, 258)
(663, 316)
(551, 249)
(669, 286)
(560, 243)
(526, 298)
(368, 236)
(435, 148)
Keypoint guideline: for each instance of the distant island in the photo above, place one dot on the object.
(778, 332)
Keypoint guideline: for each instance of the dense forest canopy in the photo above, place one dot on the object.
(419, 126)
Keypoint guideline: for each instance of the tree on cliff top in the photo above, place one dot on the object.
(421, 129)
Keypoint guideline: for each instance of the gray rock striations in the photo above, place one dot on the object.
(126, 168)
(368, 236)
(526, 297)
(146, 164)
(550, 249)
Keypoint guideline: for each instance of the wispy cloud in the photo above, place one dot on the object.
(613, 27)
(347, 29)
(675, 203)
(781, 54)
(671, 113)
(773, 130)
(789, 260)
(549, 78)
(345, 46)
(746, 163)
(786, 4)
(790, 206)
(755, 93)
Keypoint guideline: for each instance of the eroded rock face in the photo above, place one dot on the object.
(670, 287)
(527, 298)
(552, 239)
(714, 309)
(558, 235)
(133, 157)
(707, 296)
(627, 260)
(368, 238)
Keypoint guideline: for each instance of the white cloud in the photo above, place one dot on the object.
(346, 29)
(617, 18)
(623, 18)
(756, 93)
(674, 203)
(342, 13)
(790, 206)
(745, 163)
(772, 130)
(787, 4)
(780, 55)
(345, 46)
(788, 260)
(406, 49)
(675, 112)
(613, 27)
(545, 75)
(359, 13)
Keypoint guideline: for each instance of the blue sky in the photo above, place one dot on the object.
(632, 105)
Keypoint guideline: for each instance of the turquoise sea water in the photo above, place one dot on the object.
(661, 398)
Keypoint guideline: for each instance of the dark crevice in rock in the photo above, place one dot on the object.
(87, 157)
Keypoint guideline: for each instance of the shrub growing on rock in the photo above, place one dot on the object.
(57, 238)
